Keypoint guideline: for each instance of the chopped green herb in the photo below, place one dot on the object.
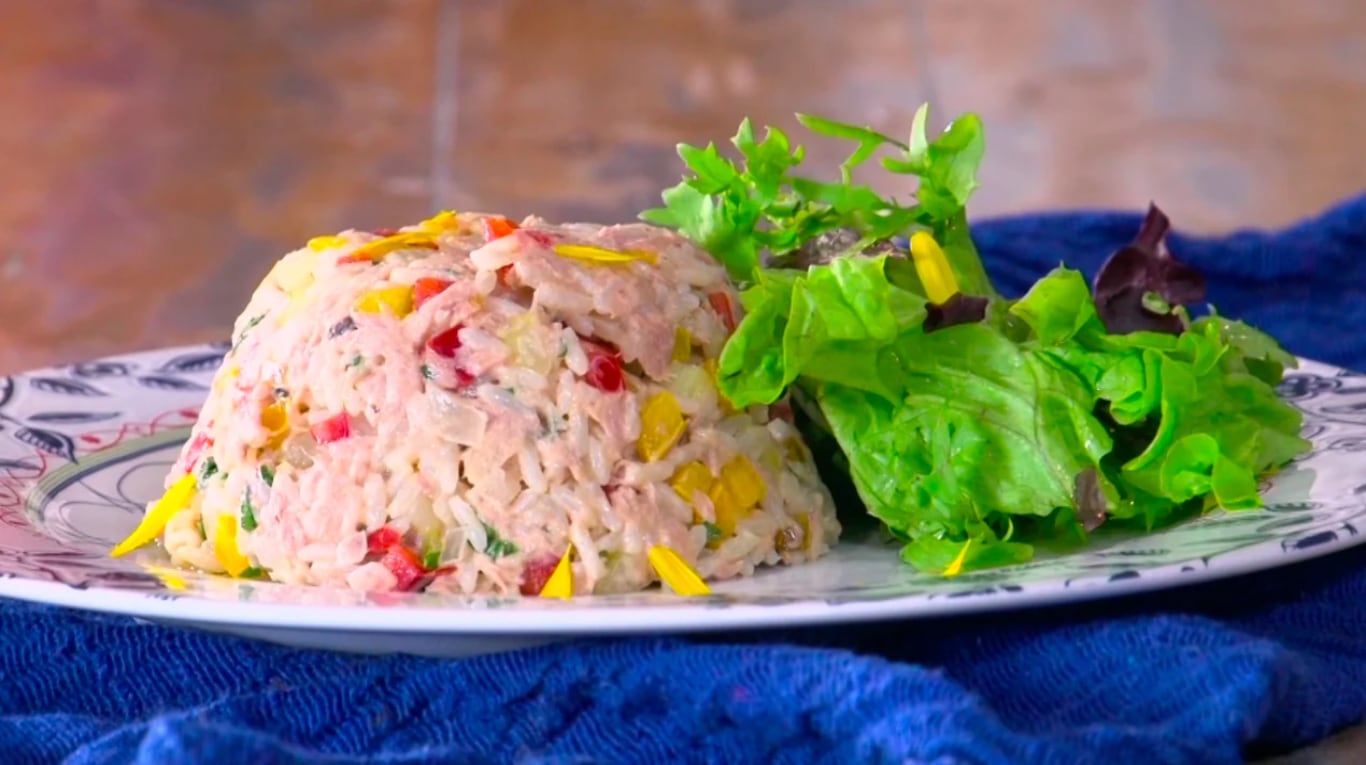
(207, 470)
(431, 560)
(268, 475)
(713, 532)
(496, 547)
(254, 572)
(248, 513)
(199, 524)
(251, 323)
(428, 372)
(356, 361)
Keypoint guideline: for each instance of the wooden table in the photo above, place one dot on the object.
(158, 155)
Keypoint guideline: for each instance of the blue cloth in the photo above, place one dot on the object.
(1209, 674)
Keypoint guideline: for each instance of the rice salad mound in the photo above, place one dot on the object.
(471, 405)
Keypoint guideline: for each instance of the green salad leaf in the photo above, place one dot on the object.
(977, 427)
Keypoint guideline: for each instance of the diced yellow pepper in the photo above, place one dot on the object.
(442, 221)
(320, 243)
(175, 499)
(561, 582)
(675, 572)
(661, 425)
(728, 509)
(956, 567)
(933, 268)
(275, 420)
(682, 345)
(590, 254)
(225, 546)
(691, 478)
(744, 482)
(397, 300)
(735, 493)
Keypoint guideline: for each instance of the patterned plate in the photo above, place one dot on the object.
(85, 446)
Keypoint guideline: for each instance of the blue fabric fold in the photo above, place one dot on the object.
(1210, 674)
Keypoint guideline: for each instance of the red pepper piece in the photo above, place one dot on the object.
(446, 343)
(381, 540)
(604, 367)
(505, 276)
(463, 379)
(536, 572)
(720, 301)
(405, 566)
(196, 449)
(497, 228)
(334, 428)
(426, 288)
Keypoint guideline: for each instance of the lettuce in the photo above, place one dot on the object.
(979, 427)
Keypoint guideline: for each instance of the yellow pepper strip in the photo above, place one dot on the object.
(320, 243)
(682, 345)
(398, 301)
(661, 425)
(442, 221)
(590, 254)
(275, 420)
(168, 577)
(933, 268)
(381, 247)
(675, 572)
(561, 582)
(956, 567)
(225, 546)
(175, 499)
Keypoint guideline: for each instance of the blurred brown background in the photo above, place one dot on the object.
(159, 154)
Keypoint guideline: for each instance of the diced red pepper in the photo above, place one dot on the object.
(405, 566)
(720, 301)
(505, 276)
(604, 367)
(782, 410)
(539, 237)
(445, 344)
(537, 571)
(382, 540)
(497, 228)
(463, 379)
(426, 288)
(196, 449)
(334, 428)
